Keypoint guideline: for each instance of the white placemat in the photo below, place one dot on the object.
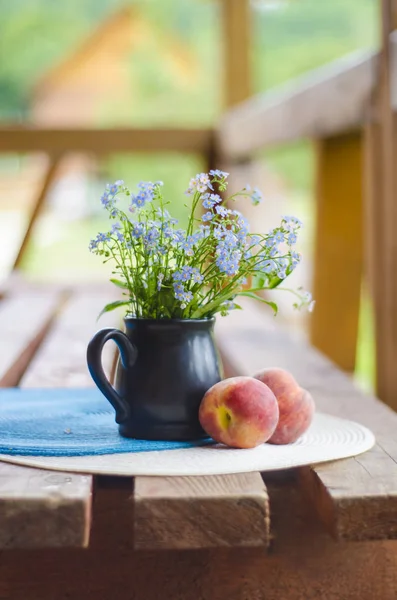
(328, 438)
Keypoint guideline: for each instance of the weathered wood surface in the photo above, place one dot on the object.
(338, 255)
(304, 562)
(103, 141)
(357, 497)
(61, 360)
(24, 320)
(41, 508)
(201, 512)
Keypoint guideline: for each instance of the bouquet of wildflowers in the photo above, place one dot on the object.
(171, 273)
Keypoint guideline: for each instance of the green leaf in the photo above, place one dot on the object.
(274, 283)
(272, 305)
(112, 306)
(120, 284)
(258, 281)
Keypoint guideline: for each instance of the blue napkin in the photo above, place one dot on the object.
(66, 422)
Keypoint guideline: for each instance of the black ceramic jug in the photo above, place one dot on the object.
(164, 369)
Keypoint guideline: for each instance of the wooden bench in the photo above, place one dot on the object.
(320, 532)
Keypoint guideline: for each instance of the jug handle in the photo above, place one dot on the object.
(128, 354)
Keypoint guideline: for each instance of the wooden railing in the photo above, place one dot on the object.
(104, 141)
(328, 106)
(324, 102)
(347, 110)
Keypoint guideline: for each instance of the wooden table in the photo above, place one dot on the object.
(322, 532)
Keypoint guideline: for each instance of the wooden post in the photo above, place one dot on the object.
(374, 227)
(387, 343)
(381, 214)
(236, 48)
(338, 248)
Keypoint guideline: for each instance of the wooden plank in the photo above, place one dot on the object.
(38, 204)
(350, 497)
(61, 360)
(338, 256)
(356, 498)
(25, 318)
(323, 103)
(304, 563)
(201, 512)
(236, 39)
(103, 141)
(40, 509)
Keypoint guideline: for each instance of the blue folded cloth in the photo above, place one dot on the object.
(66, 422)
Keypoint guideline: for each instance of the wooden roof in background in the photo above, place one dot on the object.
(96, 79)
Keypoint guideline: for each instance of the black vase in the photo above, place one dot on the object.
(164, 369)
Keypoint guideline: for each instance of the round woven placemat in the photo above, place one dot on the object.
(74, 430)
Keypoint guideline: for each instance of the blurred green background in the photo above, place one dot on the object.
(289, 38)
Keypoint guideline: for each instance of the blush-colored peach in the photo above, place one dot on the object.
(296, 405)
(240, 412)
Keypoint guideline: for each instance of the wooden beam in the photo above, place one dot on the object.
(201, 512)
(338, 259)
(355, 498)
(103, 141)
(236, 38)
(325, 102)
(38, 205)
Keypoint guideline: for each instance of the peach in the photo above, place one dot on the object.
(240, 412)
(295, 404)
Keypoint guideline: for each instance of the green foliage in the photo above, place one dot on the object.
(34, 36)
(295, 162)
(306, 34)
(112, 306)
(272, 305)
(173, 169)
